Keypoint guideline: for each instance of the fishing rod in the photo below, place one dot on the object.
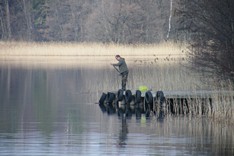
(116, 69)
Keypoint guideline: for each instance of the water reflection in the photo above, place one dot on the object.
(123, 132)
(52, 112)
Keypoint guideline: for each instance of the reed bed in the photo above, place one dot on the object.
(69, 55)
(86, 49)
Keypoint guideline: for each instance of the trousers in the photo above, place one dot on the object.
(124, 80)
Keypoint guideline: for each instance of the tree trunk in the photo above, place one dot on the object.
(8, 20)
(74, 22)
(28, 20)
(232, 33)
(2, 29)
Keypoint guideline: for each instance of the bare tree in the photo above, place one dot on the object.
(8, 19)
(27, 14)
(129, 21)
(210, 25)
(2, 22)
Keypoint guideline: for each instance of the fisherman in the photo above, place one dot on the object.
(123, 70)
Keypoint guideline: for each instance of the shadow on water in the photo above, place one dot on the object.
(123, 132)
(51, 111)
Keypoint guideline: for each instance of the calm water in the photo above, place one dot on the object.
(52, 111)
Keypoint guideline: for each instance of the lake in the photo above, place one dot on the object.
(49, 109)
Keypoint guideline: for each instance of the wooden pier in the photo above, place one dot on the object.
(161, 103)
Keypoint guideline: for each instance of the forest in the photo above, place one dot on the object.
(117, 21)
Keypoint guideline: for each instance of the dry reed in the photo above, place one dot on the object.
(85, 49)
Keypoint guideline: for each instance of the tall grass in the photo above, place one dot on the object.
(85, 49)
(72, 54)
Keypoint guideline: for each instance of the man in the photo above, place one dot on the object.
(123, 70)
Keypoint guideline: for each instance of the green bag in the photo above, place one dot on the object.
(143, 88)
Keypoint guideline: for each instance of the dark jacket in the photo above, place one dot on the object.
(122, 65)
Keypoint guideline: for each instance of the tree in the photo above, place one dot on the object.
(15, 20)
(5, 20)
(128, 21)
(8, 19)
(27, 14)
(40, 13)
(209, 25)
